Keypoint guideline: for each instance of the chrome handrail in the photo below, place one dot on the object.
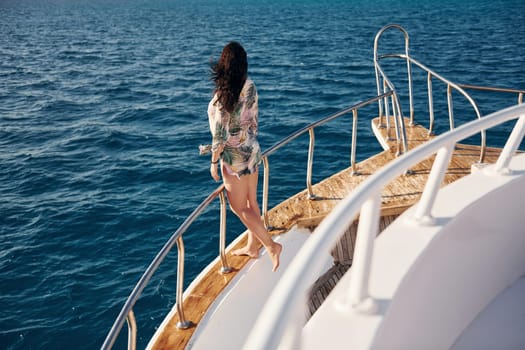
(127, 310)
(400, 127)
(126, 314)
(461, 88)
(183, 322)
(519, 92)
(399, 122)
(132, 331)
(309, 128)
(450, 86)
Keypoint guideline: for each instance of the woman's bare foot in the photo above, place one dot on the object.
(275, 253)
(247, 251)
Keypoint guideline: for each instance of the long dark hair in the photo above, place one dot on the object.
(229, 75)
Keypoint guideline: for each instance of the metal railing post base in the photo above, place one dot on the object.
(312, 197)
(185, 325)
(226, 270)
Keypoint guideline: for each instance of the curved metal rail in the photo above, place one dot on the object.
(126, 313)
(127, 310)
(396, 106)
(281, 329)
(386, 85)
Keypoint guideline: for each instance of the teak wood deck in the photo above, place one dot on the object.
(299, 210)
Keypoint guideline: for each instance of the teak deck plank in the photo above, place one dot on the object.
(298, 210)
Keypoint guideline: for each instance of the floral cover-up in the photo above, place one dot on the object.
(236, 132)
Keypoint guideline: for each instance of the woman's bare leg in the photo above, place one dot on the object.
(238, 191)
(253, 245)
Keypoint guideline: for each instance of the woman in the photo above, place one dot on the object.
(233, 113)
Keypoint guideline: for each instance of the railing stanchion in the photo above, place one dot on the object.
(423, 214)
(225, 268)
(367, 231)
(132, 330)
(354, 142)
(450, 107)
(511, 146)
(378, 85)
(311, 146)
(397, 117)
(430, 106)
(402, 127)
(266, 179)
(387, 110)
(183, 323)
(409, 72)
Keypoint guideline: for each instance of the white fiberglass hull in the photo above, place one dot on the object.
(441, 286)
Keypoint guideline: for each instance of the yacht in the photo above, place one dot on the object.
(421, 246)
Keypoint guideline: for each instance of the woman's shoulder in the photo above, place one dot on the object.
(249, 84)
(249, 91)
(213, 104)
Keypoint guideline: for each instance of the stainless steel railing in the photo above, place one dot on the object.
(127, 315)
(384, 84)
(517, 92)
(310, 129)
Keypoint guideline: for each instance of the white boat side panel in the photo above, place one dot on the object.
(232, 315)
(501, 325)
(336, 320)
(447, 282)
(447, 255)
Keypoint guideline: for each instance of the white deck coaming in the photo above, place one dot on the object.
(504, 316)
(395, 251)
(235, 310)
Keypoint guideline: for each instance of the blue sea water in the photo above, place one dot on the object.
(103, 106)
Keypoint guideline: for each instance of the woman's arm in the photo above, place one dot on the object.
(218, 127)
(214, 166)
